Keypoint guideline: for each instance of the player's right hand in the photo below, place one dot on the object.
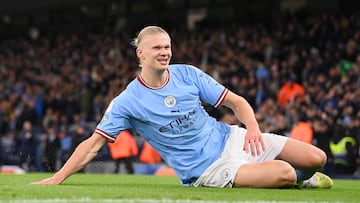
(48, 181)
(254, 142)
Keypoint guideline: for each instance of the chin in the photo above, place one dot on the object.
(164, 66)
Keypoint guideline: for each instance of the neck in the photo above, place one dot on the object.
(155, 79)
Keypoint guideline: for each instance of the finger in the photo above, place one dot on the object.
(43, 182)
(246, 146)
(258, 149)
(253, 148)
(263, 146)
(36, 183)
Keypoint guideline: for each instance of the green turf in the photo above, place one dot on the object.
(120, 187)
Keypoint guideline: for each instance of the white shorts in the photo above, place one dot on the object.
(223, 171)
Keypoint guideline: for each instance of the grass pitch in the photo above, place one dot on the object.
(139, 188)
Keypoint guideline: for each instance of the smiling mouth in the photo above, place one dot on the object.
(163, 61)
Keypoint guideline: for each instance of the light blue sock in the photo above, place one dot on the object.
(304, 174)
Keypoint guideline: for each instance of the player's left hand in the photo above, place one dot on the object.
(254, 142)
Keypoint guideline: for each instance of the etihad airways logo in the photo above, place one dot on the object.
(180, 124)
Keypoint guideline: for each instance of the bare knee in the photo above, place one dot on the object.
(317, 159)
(286, 176)
(302, 155)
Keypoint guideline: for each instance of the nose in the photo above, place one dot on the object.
(164, 51)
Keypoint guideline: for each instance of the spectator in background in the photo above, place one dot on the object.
(78, 136)
(262, 74)
(289, 91)
(85, 102)
(303, 130)
(27, 108)
(8, 150)
(150, 160)
(357, 172)
(52, 147)
(70, 140)
(28, 141)
(65, 146)
(271, 118)
(123, 150)
(345, 148)
(149, 155)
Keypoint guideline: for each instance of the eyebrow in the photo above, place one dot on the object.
(159, 46)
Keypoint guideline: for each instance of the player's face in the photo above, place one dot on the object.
(155, 51)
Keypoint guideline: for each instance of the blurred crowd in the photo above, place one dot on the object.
(303, 68)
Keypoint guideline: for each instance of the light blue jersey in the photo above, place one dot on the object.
(172, 119)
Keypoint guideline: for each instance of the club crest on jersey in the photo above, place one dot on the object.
(170, 101)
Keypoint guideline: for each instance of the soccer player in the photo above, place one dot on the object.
(163, 104)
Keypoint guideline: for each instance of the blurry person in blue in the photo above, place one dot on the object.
(163, 104)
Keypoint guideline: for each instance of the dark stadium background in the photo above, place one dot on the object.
(59, 15)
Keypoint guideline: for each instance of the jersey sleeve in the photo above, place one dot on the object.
(210, 90)
(113, 121)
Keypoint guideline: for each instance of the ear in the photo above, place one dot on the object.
(138, 53)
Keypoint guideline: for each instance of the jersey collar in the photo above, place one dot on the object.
(142, 81)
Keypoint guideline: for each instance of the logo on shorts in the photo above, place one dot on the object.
(170, 101)
(225, 174)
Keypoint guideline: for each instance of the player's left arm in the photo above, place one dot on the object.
(253, 140)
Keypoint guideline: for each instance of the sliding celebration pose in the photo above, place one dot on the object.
(163, 105)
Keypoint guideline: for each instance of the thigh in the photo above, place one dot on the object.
(302, 155)
(267, 174)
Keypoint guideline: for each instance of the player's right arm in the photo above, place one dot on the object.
(83, 154)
